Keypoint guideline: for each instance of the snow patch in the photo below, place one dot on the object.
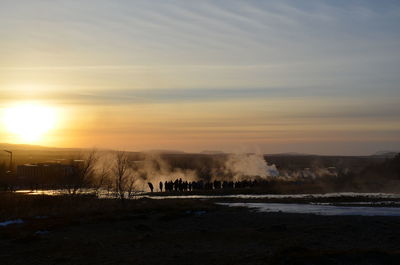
(11, 222)
(318, 209)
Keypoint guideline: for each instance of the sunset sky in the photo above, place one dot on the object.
(240, 76)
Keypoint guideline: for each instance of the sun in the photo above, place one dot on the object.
(29, 121)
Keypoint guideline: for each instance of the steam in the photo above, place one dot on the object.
(152, 167)
(155, 169)
(308, 173)
(249, 166)
(236, 167)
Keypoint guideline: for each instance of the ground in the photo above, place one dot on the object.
(190, 232)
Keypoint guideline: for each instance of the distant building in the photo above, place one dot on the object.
(43, 172)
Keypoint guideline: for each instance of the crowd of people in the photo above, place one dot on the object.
(180, 185)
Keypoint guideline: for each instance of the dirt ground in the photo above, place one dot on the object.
(198, 232)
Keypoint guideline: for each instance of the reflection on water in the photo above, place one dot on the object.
(282, 196)
(340, 208)
(106, 194)
(318, 209)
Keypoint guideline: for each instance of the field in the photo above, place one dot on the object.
(85, 230)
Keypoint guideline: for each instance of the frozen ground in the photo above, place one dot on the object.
(318, 209)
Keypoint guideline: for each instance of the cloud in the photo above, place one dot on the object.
(182, 44)
(296, 64)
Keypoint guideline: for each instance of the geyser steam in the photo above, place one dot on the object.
(249, 166)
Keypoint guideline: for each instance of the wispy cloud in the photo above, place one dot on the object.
(290, 62)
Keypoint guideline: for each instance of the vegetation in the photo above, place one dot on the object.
(118, 173)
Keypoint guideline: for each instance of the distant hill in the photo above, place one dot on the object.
(163, 151)
(388, 154)
(290, 154)
(28, 147)
(212, 152)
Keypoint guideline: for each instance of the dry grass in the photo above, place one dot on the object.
(14, 205)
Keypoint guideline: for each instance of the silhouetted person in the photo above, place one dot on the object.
(166, 185)
(151, 186)
(161, 186)
(176, 185)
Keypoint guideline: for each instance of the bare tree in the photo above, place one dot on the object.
(83, 172)
(130, 185)
(123, 174)
(102, 179)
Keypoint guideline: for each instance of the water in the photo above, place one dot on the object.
(318, 209)
(105, 194)
(282, 196)
(348, 208)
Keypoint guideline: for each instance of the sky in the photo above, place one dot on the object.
(302, 76)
